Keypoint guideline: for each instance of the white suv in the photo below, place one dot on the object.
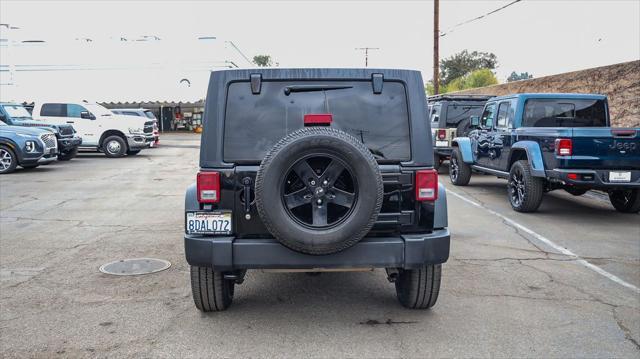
(99, 128)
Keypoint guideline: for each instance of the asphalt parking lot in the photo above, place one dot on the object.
(562, 282)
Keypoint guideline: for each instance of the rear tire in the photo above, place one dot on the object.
(625, 201)
(419, 288)
(211, 292)
(66, 156)
(8, 160)
(459, 171)
(524, 190)
(114, 146)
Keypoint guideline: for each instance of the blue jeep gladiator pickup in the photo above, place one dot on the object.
(543, 142)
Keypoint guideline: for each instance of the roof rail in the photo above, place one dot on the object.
(458, 97)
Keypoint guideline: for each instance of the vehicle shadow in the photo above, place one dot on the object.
(555, 203)
(364, 298)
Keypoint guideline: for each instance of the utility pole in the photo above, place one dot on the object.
(436, 46)
(366, 53)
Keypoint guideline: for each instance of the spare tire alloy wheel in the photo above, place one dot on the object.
(319, 190)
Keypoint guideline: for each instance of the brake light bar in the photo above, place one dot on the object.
(426, 185)
(564, 147)
(318, 119)
(208, 187)
(442, 134)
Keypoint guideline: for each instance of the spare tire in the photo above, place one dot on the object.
(319, 190)
(463, 128)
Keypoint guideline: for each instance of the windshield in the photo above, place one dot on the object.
(150, 114)
(254, 123)
(17, 112)
(97, 110)
(564, 113)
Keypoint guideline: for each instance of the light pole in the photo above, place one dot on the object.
(436, 47)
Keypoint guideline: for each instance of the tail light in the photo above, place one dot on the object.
(426, 185)
(442, 134)
(208, 187)
(318, 119)
(564, 147)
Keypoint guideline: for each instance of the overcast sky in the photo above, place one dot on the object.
(541, 37)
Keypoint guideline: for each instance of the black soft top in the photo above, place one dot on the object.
(213, 122)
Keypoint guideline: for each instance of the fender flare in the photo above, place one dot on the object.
(440, 211)
(191, 199)
(534, 156)
(464, 144)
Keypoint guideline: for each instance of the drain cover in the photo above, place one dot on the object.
(135, 266)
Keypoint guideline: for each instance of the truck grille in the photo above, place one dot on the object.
(65, 130)
(49, 140)
(148, 127)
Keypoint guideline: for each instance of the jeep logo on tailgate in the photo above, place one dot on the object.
(623, 146)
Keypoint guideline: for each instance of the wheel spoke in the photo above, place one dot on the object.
(304, 171)
(297, 198)
(342, 198)
(319, 215)
(333, 170)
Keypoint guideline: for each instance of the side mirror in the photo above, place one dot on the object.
(475, 121)
(87, 115)
(2, 117)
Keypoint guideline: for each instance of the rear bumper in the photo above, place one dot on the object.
(596, 179)
(405, 251)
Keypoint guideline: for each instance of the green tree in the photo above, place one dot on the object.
(475, 79)
(463, 63)
(517, 77)
(262, 60)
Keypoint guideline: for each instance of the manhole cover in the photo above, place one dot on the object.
(135, 266)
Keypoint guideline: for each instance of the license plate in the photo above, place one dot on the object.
(52, 151)
(208, 223)
(615, 176)
(442, 143)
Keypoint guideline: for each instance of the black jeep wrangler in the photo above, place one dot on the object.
(316, 169)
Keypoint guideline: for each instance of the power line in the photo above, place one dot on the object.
(451, 29)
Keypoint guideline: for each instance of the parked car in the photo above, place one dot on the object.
(99, 128)
(26, 147)
(543, 142)
(316, 169)
(449, 116)
(142, 112)
(68, 142)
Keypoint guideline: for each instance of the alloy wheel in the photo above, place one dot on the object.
(319, 191)
(5, 159)
(516, 188)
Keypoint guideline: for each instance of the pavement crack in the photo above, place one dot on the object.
(626, 331)
(386, 322)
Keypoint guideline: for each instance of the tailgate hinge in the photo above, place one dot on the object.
(256, 83)
(377, 80)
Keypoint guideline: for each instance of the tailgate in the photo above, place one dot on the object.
(605, 148)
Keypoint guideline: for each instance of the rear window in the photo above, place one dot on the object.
(457, 112)
(254, 123)
(564, 113)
